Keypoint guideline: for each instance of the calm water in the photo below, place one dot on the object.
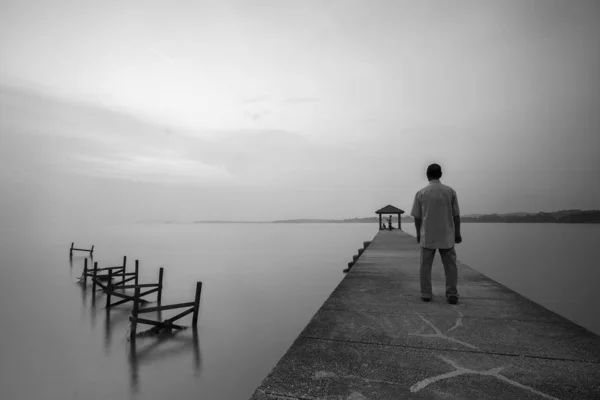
(262, 284)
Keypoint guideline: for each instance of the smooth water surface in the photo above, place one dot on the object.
(262, 284)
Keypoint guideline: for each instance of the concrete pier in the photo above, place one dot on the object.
(374, 338)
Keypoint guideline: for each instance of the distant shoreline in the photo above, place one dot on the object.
(559, 217)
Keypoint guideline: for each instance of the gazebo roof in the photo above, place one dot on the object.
(389, 209)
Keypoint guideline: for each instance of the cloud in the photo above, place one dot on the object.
(174, 169)
(48, 135)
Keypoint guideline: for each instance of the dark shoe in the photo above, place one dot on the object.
(426, 298)
(452, 299)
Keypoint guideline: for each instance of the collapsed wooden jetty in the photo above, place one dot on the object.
(114, 280)
(167, 324)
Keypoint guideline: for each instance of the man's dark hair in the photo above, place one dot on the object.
(434, 171)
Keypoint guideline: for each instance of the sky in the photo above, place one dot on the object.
(264, 110)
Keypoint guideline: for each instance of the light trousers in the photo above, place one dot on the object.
(450, 269)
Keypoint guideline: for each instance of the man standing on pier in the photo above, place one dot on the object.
(437, 219)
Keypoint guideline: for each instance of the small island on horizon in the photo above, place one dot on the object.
(562, 216)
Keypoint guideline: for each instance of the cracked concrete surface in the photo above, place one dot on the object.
(374, 339)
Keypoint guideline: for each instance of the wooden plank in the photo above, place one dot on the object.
(146, 321)
(166, 307)
(123, 296)
(180, 315)
(120, 284)
(118, 303)
(120, 274)
(111, 268)
(143, 285)
(149, 292)
(97, 282)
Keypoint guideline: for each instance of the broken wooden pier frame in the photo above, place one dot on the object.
(105, 282)
(119, 271)
(192, 307)
(356, 256)
(73, 248)
(151, 288)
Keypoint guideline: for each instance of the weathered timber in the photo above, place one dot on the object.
(124, 270)
(178, 316)
(160, 285)
(131, 278)
(110, 268)
(73, 248)
(167, 307)
(149, 291)
(125, 300)
(109, 289)
(197, 303)
(140, 285)
(85, 273)
(94, 276)
(166, 324)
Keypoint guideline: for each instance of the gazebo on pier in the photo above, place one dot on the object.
(389, 209)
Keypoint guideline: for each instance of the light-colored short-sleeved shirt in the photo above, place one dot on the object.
(436, 204)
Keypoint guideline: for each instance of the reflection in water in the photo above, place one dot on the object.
(152, 352)
(111, 320)
(150, 346)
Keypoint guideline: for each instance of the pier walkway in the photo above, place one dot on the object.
(375, 339)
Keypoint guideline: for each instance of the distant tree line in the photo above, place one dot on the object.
(565, 216)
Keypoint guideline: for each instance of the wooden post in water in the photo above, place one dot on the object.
(92, 251)
(124, 261)
(134, 314)
(137, 271)
(85, 273)
(160, 284)
(109, 288)
(124, 270)
(94, 276)
(197, 303)
(71, 250)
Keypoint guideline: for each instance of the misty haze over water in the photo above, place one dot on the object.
(262, 284)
